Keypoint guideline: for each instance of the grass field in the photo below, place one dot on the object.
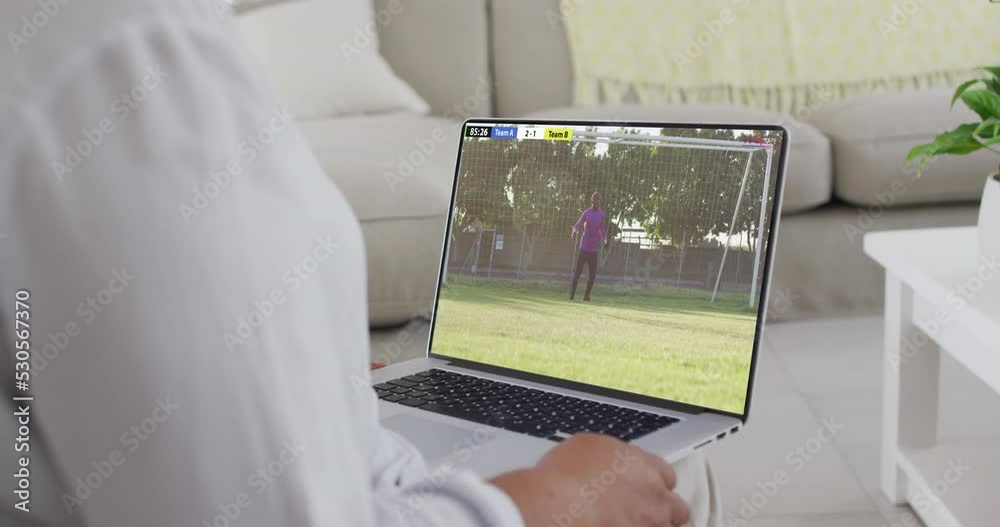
(659, 341)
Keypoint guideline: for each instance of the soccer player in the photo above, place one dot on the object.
(592, 224)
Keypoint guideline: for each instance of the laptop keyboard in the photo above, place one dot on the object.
(517, 408)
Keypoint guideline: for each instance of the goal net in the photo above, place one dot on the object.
(685, 208)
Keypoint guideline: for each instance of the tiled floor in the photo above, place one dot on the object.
(831, 370)
(813, 374)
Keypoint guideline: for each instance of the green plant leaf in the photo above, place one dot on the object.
(989, 129)
(961, 89)
(958, 141)
(968, 137)
(995, 70)
(986, 103)
(945, 141)
(923, 150)
(992, 83)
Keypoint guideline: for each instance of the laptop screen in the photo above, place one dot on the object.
(625, 257)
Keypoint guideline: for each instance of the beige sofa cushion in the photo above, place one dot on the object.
(396, 172)
(440, 47)
(531, 58)
(871, 136)
(322, 56)
(808, 181)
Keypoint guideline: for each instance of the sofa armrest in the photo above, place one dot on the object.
(871, 136)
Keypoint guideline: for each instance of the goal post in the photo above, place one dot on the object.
(732, 225)
(761, 237)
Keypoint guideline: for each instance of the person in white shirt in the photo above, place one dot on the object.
(191, 357)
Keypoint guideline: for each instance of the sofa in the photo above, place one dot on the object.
(510, 58)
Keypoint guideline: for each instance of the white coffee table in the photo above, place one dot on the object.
(940, 296)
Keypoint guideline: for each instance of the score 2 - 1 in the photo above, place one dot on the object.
(529, 132)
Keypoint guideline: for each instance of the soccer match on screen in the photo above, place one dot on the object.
(622, 257)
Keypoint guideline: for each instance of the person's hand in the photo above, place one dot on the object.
(605, 244)
(376, 365)
(593, 480)
(573, 235)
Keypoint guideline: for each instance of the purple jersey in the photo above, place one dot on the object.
(592, 223)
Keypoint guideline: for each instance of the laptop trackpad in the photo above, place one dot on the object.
(434, 439)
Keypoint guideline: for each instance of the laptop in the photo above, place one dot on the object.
(606, 277)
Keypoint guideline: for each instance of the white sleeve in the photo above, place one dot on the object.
(198, 304)
(414, 496)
